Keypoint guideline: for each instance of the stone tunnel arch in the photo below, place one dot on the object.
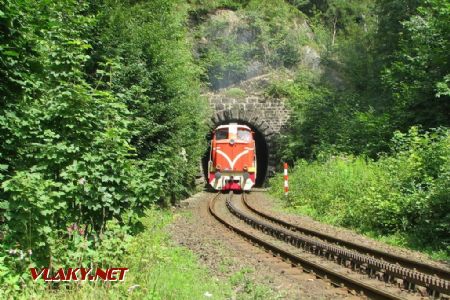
(264, 138)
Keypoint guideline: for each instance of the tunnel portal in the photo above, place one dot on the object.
(264, 140)
(266, 115)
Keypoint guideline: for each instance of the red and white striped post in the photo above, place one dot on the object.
(286, 185)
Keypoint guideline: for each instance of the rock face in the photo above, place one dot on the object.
(310, 58)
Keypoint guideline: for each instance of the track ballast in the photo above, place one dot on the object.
(392, 273)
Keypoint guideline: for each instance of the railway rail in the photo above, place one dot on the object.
(388, 257)
(375, 268)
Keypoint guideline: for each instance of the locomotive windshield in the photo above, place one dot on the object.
(222, 134)
(244, 135)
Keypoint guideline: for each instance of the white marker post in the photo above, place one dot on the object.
(286, 185)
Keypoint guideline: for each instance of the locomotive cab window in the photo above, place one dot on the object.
(221, 134)
(244, 135)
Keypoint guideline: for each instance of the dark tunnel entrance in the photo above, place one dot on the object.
(262, 152)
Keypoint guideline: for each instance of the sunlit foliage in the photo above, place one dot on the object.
(100, 116)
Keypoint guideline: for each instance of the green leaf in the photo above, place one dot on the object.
(46, 229)
(11, 53)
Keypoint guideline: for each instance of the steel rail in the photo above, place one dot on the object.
(389, 257)
(319, 271)
(372, 266)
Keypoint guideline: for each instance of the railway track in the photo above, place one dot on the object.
(388, 257)
(408, 279)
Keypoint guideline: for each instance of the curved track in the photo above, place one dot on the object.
(388, 257)
(393, 270)
(335, 278)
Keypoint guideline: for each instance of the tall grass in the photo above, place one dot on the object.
(159, 270)
(405, 196)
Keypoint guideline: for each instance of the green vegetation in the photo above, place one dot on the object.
(386, 72)
(160, 271)
(378, 76)
(404, 194)
(235, 93)
(247, 39)
(100, 116)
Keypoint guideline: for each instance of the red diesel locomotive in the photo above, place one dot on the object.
(232, 162)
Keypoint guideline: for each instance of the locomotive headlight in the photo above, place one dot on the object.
(245, 168)
(246, 176)
(218, 167)
(217, 175)
(231, 141)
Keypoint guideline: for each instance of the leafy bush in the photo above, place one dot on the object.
(235, 93)
(418, 96)
(327, 119)
(95, 124)
(406, 193)
(154, 74)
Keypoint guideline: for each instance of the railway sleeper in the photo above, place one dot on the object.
(287, 239)
(388, 278)
(354, 265)
(409, 286)
(433, 294)
(375, 267)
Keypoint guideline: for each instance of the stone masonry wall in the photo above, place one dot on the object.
(272, 111)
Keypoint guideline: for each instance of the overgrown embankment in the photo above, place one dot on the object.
(402, 198)
(239, 40)
(101, 117)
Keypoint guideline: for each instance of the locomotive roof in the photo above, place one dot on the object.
(233, 124)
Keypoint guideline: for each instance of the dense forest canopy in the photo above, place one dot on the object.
(393, 59)
(101, 114)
